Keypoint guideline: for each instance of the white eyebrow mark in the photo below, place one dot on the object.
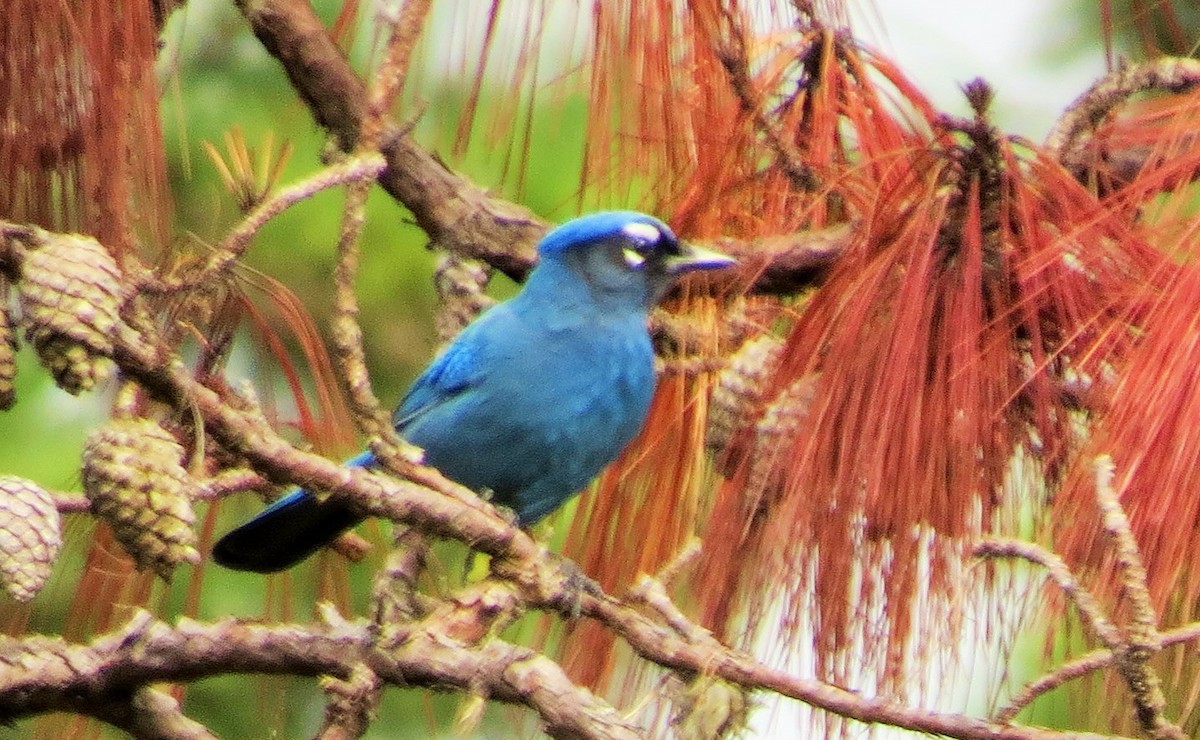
(641, 232)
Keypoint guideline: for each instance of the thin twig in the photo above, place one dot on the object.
(394, 596)
(651, 592)
(730, 48)
(1143, 633)
(1133, 659)
(1080, 667)
(350, 703)
(388, 79)
(460, 283)
(1069, 137)
(347, 335)
(349, 352)
(150, 713)
(235, 244)
(228, 482)
(454, 212)
(1089, 608)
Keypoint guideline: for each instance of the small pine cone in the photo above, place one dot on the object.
(133, 477)
(774, 434)
(70, 294)
(8, 358)
(708, 708)
(30, 536)
(738, 394)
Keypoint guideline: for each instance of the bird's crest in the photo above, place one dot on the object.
(646, 234)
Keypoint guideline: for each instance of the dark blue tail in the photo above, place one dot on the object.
(287, 531)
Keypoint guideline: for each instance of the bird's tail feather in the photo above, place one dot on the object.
(287, 531)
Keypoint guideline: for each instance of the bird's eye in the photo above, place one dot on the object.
(633, 258)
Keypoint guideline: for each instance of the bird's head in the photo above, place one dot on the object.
(621, 256)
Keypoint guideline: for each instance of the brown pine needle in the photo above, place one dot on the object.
(248, 175)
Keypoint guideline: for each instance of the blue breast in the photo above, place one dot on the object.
(569, 399)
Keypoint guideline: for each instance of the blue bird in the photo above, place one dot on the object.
(533, 398)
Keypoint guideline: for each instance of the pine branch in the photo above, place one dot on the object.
(1129, 649)
(1142, 640)
(1071, 137)
(457, 214)
(349, 353)
(350, 704)
(231, 249)
(48, 674)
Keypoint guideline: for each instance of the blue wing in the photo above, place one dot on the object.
(457, 369)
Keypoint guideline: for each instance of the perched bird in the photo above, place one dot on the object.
(533, 398)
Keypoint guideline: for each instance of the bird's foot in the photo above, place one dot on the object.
(509, 515)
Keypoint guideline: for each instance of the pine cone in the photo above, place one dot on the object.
(774, 434)
(8, 356)
(30, 536)
(70, 294)
(708, 708)
(738, 394)
(133, 477)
